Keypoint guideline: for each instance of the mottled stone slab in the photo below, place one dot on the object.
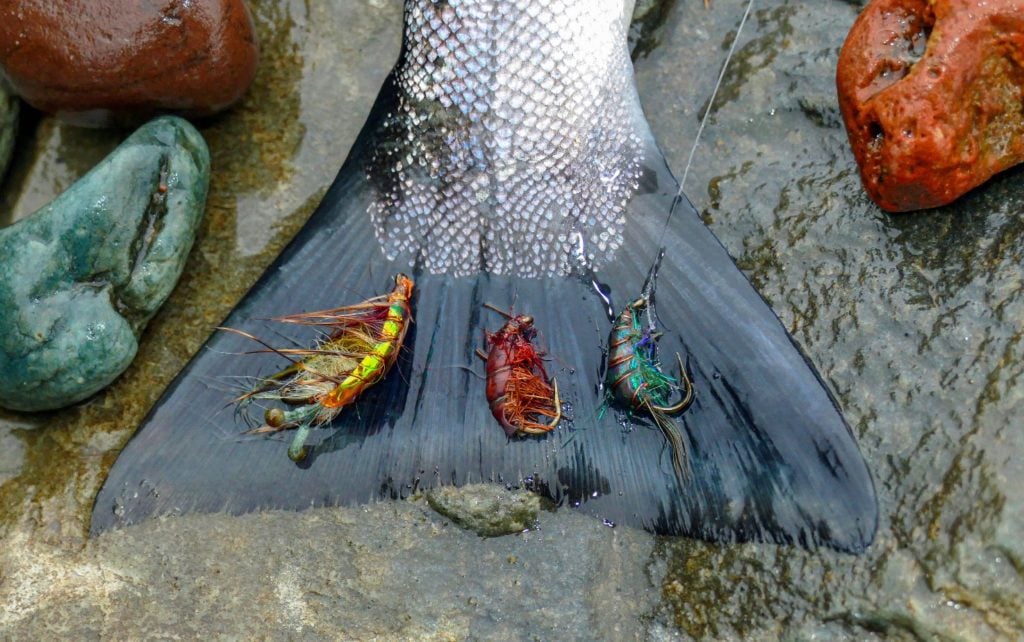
(80, 278)
(389, 571)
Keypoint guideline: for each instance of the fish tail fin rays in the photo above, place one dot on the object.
(770, 457)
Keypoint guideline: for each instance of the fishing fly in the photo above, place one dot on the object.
(634, 376)
(519, 391)
(359, 345)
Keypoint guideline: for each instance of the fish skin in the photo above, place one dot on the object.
(772, 457)
(482, 166)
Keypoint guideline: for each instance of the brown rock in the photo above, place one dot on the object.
(932, 92)
(100, 62)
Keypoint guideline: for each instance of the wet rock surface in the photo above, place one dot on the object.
(8, 128)
(914, 321)
(99, 63)
(489, 510)
(392, 571)
(80, 278)
(931, 93)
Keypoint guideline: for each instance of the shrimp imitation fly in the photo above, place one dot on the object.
(361, 344)
(519, 391)
(635, 379)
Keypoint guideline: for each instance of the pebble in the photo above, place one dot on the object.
(81, 277)
(488, 510)
(99, 63)
(931, 95)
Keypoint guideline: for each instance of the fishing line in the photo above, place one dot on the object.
(652, 275)
(707, 112)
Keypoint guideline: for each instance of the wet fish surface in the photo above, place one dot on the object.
(507, 161)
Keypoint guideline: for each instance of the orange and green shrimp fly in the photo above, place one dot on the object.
(361, 345)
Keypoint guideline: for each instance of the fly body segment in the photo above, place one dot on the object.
(360, 344)
(635, 379)
(523, 399)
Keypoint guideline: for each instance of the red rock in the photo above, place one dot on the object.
(932, 92)
(99, 62)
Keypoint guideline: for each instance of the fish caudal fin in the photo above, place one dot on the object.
(769, 455)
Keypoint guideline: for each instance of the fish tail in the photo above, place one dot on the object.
(765, 455)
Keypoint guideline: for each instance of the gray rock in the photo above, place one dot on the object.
(486, 509)
(390, 571)
(80, 278)
(8, 127)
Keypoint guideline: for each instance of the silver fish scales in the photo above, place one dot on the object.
(483, 166)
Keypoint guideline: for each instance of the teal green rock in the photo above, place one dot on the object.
(81, 277)
(8, 127)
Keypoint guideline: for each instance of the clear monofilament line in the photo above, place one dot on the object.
(649, 313)
(714, 94)
(707, 112)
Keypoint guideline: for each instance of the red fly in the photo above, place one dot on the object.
(519, 391)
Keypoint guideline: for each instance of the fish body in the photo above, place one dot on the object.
(513, 143)
(507, 160)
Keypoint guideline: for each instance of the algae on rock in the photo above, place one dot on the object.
(80, 278)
